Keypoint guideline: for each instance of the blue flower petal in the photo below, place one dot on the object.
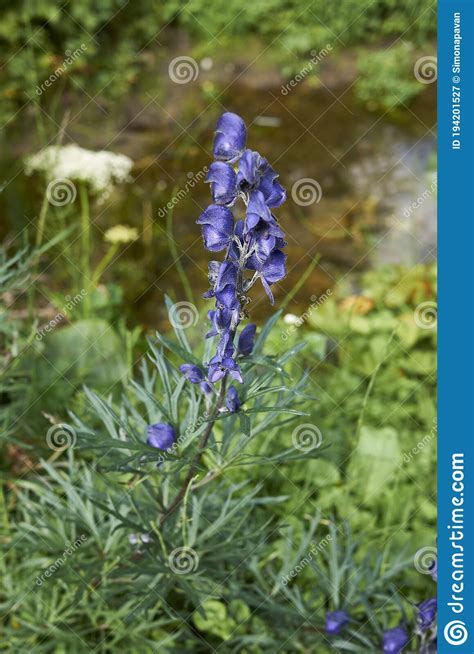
(335, 621)
(274, 267)
(246, 339)
(394, 640)
(231, 135)
(232, 400)
(222, 179)
(257, 210)
(161, 435)
(272, 190)
(192, 373)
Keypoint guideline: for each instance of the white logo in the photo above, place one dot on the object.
(455, 632)
(183, 560)
(426, 70)
(60, 437)
(183, 315)
(60, 192)
(183, 70)
(426, 315)
(306, 191)
(306, 437)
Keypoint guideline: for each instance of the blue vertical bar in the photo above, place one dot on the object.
(456, 327)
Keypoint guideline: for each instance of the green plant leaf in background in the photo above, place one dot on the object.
(375, 459)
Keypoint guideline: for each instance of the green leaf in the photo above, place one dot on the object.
(374, 461)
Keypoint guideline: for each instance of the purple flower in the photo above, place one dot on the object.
(192, 373)
(219, 366)
(272, 271)
(161, 435)
(231, 135)
(426, 613)
(253, 243)
(335, 621)
(218, 224)
(251, 167)
(255, 174)
(257, 210)
(394, 640)
(246, 339)
(273, 191)
(227, 315)
(232, 401)
(223, 181)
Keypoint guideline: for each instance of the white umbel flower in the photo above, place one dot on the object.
(119, 234)
(100, 170)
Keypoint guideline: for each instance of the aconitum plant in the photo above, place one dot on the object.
(253, 246)
(252, 242)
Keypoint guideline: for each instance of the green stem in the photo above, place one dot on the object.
(299, 283)
(102, 265)
(197, 457)
(174, 252)
(85, 246)
(42, 221)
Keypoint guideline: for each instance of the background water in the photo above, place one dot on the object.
(366, 168)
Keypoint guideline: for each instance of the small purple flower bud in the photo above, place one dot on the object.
(231, 135)
(335, 621)
(232, 401)
(161, 435)
(426, 613)
(394, 640)
(246, 339)
(192, 373)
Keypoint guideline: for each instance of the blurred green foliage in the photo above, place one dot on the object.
(362, 503)
(113, 37)
(386, 78)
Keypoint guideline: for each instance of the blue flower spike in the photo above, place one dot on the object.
(253, 247)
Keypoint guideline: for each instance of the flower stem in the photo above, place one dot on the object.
(85, 245)
(197, 457)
